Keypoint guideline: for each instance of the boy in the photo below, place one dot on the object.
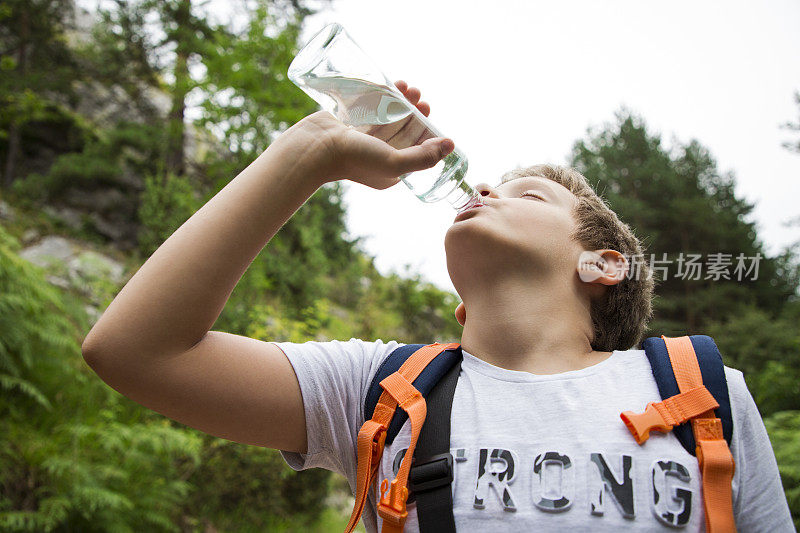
(550, 319)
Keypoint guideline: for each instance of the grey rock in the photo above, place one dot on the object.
(70, 217)
(69, 267)
(107, 229)
(102, 200)
(58, 281)
(7, 212)
(88, 265)
(49, 249)
(31, 235)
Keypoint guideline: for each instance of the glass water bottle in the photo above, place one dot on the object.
(333, 70)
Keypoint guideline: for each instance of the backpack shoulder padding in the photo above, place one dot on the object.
(429, 377)
(713, 371)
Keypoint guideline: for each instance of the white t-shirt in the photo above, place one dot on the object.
(542, 452)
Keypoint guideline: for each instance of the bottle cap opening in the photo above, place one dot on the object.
(314, 50)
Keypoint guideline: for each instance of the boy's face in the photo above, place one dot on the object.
(523, 229)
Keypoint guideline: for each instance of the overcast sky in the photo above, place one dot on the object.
(516, 83)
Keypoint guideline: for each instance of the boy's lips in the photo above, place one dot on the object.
(473, 206)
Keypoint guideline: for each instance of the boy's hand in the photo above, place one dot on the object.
(379, 155)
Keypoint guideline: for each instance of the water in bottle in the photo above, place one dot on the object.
(368, 106)
(365, 100)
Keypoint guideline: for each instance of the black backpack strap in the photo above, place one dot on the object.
(429, 377)
(431, 475)
(713, 371)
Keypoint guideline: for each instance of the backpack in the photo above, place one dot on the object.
(691, 381)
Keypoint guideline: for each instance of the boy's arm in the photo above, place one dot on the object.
(760, 503)
(153, 343)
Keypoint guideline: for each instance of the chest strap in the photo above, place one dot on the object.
(398, 390)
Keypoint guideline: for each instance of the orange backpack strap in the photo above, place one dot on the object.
(713, 454)
(398, 390)
(696, 404)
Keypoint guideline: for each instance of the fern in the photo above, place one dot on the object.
(9, 383)
(64, 463)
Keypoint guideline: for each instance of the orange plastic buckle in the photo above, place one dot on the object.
(393, 508)
(641, 424)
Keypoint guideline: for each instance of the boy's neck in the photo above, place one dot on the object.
(522, 326)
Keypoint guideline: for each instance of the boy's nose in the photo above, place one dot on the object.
(484, 189)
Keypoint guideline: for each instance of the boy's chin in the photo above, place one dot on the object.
(467, 234)
(492, 252)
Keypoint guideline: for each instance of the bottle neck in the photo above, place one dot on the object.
(461, 196)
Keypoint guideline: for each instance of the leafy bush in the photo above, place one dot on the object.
(248, 488)
(75, 456)
(784, 432)
(165, 205)
(766, 349)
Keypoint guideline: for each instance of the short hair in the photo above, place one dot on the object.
(620, 317)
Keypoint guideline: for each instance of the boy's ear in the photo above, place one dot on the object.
(461, 313)
(605, 266)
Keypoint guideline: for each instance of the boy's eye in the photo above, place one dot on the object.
(532, 194)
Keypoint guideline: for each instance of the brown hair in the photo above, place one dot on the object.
(620, 318)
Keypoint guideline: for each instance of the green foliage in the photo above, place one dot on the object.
(165, 205)
(120, 52)
(425, 311)
(81, 170)
(316, 232)
(37, 71)
(241, 107)
(240, 484)
(35, 63)
(78, 456)
(106, 158)
(766, 349)
(32, 323)
(72, 455)
(784, 433)
(317, 321)
(22, 106)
